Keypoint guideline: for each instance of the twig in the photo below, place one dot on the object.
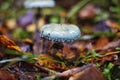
(68, 73)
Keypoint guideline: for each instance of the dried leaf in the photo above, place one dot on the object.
(102, 60)
(101, 42)
(88, 73)
(5, 41)
(4, 75)
(112, 44)
(15, 48)
(113, 25)
(49, 62)
(81, 46)
(28, 41)
(68, 53)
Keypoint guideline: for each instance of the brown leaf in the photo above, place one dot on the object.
(67, 53)
(115, 26)
(4, 75)
(112, 44)
(88, 73)
(101, 42)
(6, 42)
(81, 46)
(102, 60)
(49, 62)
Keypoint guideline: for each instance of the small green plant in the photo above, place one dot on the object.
(93, 54)
(107, 70)
(38, 77)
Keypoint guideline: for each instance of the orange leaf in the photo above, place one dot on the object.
(68, 53)
(6, 42)
(15, 48)
(49, 62)
(101, 42)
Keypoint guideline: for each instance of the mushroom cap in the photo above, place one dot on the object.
(60, 32)
(39, 3)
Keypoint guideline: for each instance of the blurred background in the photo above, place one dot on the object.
(16, 19)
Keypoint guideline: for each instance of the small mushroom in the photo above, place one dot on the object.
(59, 33)
(38, 4)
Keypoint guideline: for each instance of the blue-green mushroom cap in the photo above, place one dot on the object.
(60, 32)
(39, 3)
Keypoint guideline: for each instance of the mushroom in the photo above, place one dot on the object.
(38, 4)
(59, 33)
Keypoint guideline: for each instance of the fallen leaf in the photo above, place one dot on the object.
(86, 72)
(91, 72)
(49, 62)
(28, 41)
(101, 42)
(102, 60)
(5, 75)
(15, 48)
(113, 44)
(81, 46)
(68, 53)
(6, 42)
(115, 26)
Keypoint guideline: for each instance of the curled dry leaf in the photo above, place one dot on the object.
(6, 42)
(49, 62)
